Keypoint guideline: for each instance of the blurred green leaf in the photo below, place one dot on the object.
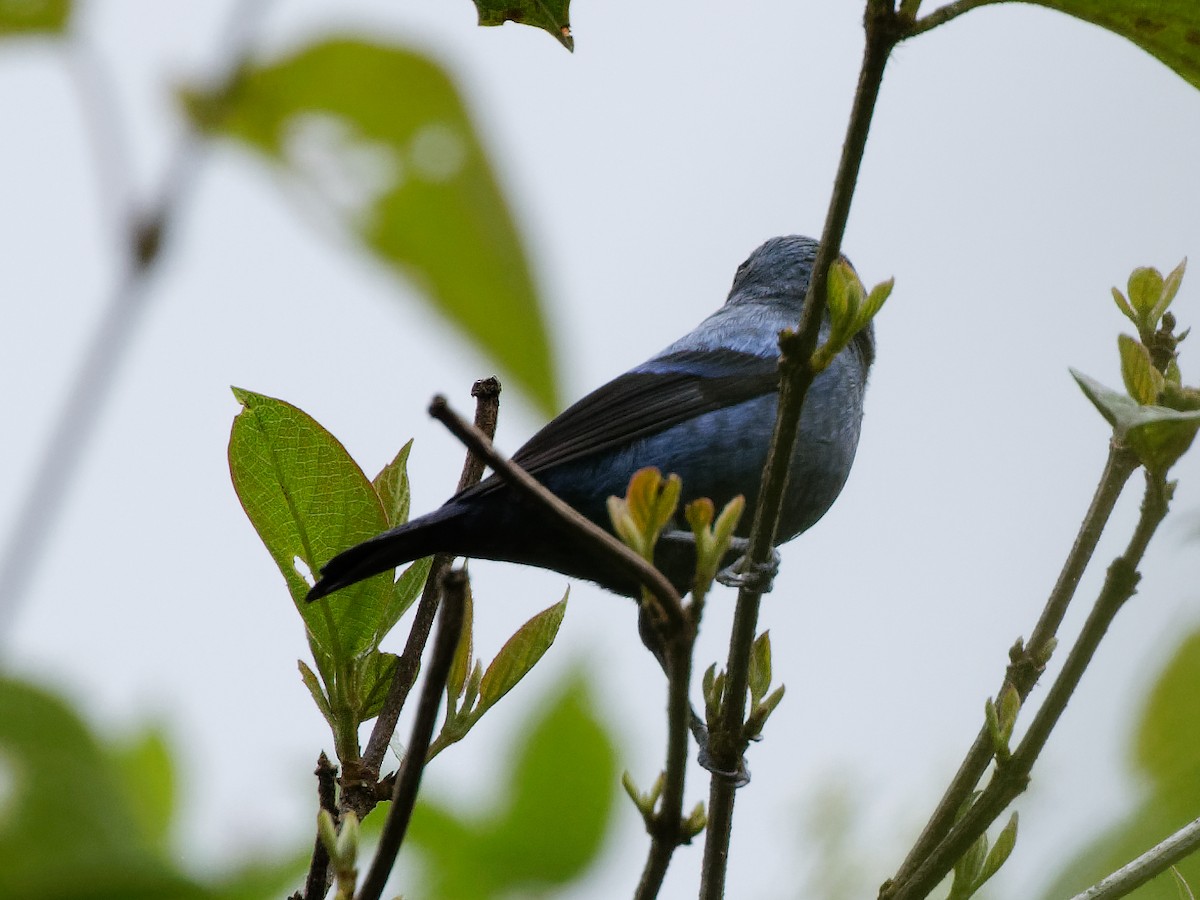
(34, 16)
(391, 484)
(1168, 30)
(314, 688)
(376, 138)
(1142, 380)
(520, 653)
(550, 15)
(561, 790)
(1005, 842)
(1166, 752)
(308, 500)
(145, 765)
(760, 668)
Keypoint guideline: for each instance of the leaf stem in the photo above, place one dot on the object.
(408, 779)
(1011, 778)
(727, 741)
(943, 15)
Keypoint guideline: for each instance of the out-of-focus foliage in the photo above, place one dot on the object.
(1166, 759)
(552, 16)
(377, 139)
(80, 820)
(34, 16)
(547, 828)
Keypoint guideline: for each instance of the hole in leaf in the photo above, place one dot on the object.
(303, 570)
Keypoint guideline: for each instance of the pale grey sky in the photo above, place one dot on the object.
(1020, 164)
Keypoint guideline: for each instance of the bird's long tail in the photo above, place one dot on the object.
(413, 540)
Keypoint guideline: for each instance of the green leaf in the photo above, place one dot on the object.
(561, 786)
(1145, 289)
(376, 138)
(967, 869)
(1005, 842)
(1169, 30)
(34, 16)
(69, 828)
(314, 687)
(760, 668)
(1124, 307)
(404, 592)
(391, 484)
(148, 771)
(308, 500)
(376, 673)
(1158, 435)
(460, 668)
(551, 16)
(1170, 288)
(1142, 380)
(520, 653)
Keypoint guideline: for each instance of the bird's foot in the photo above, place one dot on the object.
(739, 776)
(758, 577)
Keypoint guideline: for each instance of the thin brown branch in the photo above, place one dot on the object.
(316, 885)
(364, 796)
(408, 779)
(728, 740)
(943, 15)
(622, 558)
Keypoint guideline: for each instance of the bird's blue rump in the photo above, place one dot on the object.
(704, 409)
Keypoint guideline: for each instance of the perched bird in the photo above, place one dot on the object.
(703, 408)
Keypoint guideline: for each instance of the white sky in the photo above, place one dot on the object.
(1021, 163)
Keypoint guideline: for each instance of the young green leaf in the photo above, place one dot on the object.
(375, 678)
(460, 667)
(1145, 290)
(376, 138)
(1005, 841)
(760, 668)
(392, 486)
(967, 869)
(519, 654)
(308, 500)
(314, 687)
(1142, 380)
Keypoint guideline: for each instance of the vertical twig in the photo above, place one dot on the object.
(316, 885)
(728, 742)
(408, 779)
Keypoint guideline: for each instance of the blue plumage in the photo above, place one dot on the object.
(703, 408)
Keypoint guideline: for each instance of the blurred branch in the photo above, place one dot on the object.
(408, 779)
(1153, 862)
(728, 741)
(1027, 660)
(1012, 775)
(58, 464)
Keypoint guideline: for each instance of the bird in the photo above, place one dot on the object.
(703, 408)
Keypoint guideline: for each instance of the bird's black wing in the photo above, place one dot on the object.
(662, 393)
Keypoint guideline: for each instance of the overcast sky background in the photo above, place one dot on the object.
(1020, 164)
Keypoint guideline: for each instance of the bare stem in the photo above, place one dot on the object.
(1027, 661)
(727, 740)
(943, 15)
(361, 792)
(316, 885)
(666, 825)
(1012, 776)
(408, 779)
(1153, 862)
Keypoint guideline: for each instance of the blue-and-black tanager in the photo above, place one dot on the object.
(703, 408)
